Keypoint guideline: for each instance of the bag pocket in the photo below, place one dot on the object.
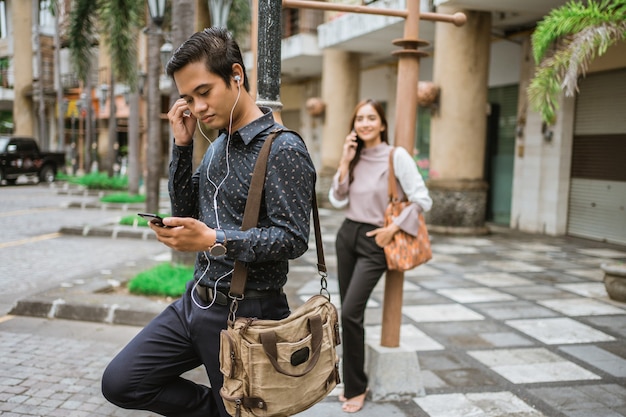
(278, 389)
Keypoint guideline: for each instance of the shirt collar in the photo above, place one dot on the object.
(252, 129)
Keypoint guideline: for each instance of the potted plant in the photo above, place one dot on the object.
(615, 280)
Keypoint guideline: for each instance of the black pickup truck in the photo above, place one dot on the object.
(21, 156)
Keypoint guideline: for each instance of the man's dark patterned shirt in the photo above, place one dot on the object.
(284, 219)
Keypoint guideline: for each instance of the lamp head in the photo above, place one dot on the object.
(157, 11)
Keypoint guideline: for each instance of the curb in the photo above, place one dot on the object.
(93, 300)
(112, 231)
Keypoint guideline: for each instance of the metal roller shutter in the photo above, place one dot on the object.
(597, 203)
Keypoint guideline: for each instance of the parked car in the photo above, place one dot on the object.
(22, 156)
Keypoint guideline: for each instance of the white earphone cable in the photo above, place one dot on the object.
(217, 188)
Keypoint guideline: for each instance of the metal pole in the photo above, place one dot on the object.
(254, 34)
(153, 162)
(268, 70)
(458, 19)
(406, 105)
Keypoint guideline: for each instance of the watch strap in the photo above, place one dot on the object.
(220, 237)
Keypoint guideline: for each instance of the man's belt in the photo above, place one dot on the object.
(208, 294)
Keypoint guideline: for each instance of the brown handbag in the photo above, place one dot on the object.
(405, 251)
(275, 368)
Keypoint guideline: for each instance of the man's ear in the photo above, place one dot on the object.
(237, 71)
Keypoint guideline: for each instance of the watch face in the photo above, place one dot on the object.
(218, 250)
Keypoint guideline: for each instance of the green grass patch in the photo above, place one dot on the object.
(62, 176)
(164, 279)
(134, 219)
(99, 181)
(123, 198)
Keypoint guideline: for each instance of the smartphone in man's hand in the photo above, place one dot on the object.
(153, 218)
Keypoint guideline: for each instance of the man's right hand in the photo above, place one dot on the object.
(184, 234)
(182, 122)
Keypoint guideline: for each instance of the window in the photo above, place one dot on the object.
(46, 20)
(3, 21)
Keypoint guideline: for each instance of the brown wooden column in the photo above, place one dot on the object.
(406, 105)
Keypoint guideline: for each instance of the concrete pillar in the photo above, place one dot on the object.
(458, 128)
(23, 113)
(340, 93)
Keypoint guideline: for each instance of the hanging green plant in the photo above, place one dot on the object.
(564, 44)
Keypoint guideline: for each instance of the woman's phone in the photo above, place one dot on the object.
(359, 141)
(153, 218)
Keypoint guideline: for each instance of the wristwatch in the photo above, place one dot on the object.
(219, 247)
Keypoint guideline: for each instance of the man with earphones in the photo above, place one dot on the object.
(207, 207)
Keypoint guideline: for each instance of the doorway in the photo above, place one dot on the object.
(499, 152)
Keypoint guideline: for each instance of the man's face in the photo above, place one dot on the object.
(206, 94)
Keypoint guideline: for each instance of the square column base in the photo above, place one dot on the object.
(394, 373)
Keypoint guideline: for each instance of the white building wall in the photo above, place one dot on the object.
(504, 63)
(542, 173)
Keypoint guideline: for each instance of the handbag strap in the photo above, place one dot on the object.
(251, 219)
(392, 188)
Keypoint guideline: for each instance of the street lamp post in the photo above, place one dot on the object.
(104, 92)
(82, 106)
(165, 52)
(153, 157)
(269, 47)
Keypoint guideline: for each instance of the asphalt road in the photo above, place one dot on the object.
(34, 257)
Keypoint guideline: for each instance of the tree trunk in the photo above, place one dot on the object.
(183, 12)
(44, 142)
(111, 153)
(133, 143)
(60, 144)
(88, 149)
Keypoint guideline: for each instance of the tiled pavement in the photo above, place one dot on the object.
(504, 325)
(513, 324)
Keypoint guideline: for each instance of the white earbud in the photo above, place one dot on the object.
(237, 78)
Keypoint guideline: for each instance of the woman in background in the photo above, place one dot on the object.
(361, 185)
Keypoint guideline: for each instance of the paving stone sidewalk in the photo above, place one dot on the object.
(504, 325)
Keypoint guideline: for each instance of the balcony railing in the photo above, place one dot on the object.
(6, 78)
(297, 21)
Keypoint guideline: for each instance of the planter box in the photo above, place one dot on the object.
(615, 280)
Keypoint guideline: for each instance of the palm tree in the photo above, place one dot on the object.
(564, 44)
(118, 22)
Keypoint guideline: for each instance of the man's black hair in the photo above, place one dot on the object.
(216, 47)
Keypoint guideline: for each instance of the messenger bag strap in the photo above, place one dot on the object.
(251, 219)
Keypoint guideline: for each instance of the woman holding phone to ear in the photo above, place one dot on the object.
(361, 185)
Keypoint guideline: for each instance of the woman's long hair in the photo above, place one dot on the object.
(383, 134)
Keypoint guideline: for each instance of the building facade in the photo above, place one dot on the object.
(491, 158)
